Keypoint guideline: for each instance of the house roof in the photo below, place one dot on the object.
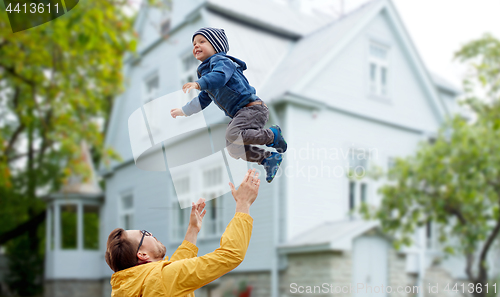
(444, 84)
(310, 50)
(307, 57)
(263, 13)
(259, 13)
(337, 235)
(77, 184)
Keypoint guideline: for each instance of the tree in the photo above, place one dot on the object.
(57, 84)
(455, 182)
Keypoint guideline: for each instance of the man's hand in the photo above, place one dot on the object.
(190, 85)
(195, 221)
(247, 192)
(197, 214)
(176, 112)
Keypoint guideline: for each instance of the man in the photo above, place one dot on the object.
(136, 256)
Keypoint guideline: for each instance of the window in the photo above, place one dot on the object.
(180, 217)
(210, 181)
(391, 162)
(68, 226)
(127, 211)
(358, 162)
(352, 194)
(91, 227)
(358, 192)
(151, 92)
(358, 184)
(51, 226)
(212, 191)
(429, 234)
(363, 192)
(151, 86)
(378, 70)
(189, 74)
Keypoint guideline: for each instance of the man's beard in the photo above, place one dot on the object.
(160, 251)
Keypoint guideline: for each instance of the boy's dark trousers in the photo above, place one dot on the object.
(247, 128)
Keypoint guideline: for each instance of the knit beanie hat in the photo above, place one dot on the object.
(216, 37)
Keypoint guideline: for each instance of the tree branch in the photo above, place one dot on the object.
(24, 227)
(13, 139)
(484, 251)
(468, 269)
(457, 213)
(12, 71)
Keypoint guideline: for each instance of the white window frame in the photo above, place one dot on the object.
(358, 190)
(430, 230)
(376, 88)
(188, 73)
(360, 186)
(123, 212)
(149, 95)
(213, 227)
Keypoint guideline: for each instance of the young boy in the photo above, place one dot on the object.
(221, 80)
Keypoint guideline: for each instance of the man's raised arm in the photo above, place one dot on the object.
(188, 247)
(187, 275)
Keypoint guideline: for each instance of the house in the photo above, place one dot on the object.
(348, 93)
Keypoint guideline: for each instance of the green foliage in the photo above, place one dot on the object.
(91, 228)
(57, 85)
(454, 182)
(25, 265)
(68, 227)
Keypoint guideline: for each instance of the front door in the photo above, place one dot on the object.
(370, 266)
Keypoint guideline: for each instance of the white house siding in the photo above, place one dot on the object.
(150, 29)
(344, 82)
(312, 201)
(259, 254)
(165, 59)
(308, 52)
(350, 118)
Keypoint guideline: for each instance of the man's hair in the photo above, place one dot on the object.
(120, 252)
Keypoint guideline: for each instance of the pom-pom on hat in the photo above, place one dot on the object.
(216, 37)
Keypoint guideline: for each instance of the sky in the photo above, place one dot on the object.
(438, 28)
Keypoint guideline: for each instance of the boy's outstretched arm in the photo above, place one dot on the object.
(195, 105)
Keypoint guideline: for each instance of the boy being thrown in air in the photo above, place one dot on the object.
(221, 80)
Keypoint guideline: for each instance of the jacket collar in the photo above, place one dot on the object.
(207, 60)
(242, 64)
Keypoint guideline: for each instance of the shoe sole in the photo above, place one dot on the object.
(272, 176)
(279, 150)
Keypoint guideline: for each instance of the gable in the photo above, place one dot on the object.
(321, 50)
(309, 51)
(344, 82)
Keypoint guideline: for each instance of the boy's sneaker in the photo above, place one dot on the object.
(272, 164)
(279, 142)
